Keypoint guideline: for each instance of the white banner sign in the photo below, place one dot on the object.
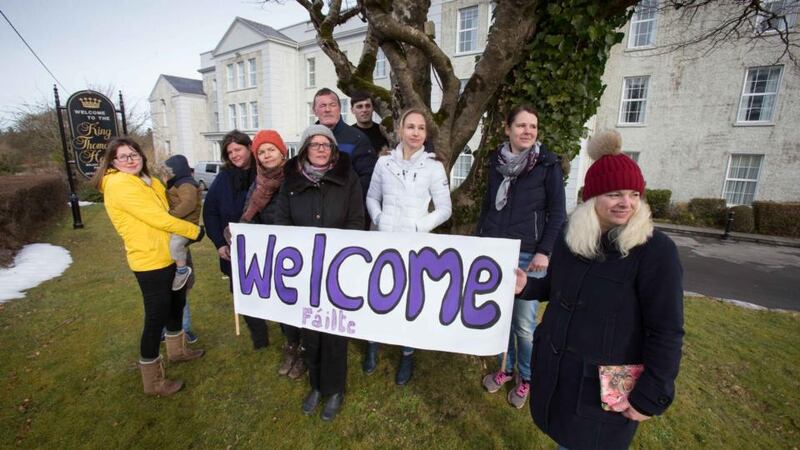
(426, 291)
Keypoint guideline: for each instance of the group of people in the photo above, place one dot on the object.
(613, 283)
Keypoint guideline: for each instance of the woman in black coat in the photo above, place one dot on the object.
(615, 313)
(321, 189)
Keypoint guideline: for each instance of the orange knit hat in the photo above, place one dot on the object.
(268, 136)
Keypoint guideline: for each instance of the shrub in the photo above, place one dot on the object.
(679, 213)
(658, 199)
(778, 219)
(27, 204)
(742, 219)
(708, 211)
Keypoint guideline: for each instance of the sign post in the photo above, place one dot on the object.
(73, 197)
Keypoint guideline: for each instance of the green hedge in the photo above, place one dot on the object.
(708, 211)
(27, 204)
(778, 219)
(658, 199)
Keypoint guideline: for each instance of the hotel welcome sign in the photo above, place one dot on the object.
(92, 122)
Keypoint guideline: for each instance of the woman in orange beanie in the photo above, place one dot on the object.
(270, 154)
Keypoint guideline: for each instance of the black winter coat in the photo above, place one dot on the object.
(334, 202)
(610, 312)
(357, 145)
(536, 207)
(267, 214)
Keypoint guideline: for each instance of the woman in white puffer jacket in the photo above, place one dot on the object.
(402, 187)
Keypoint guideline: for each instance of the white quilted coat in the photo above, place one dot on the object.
(400, 192)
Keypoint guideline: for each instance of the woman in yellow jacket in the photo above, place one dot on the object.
(137, 205)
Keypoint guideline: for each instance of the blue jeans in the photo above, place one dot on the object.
(523, 322)
(187, 317)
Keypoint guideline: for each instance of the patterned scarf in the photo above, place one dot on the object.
(511, 166)
(268, 181)
(314, 173)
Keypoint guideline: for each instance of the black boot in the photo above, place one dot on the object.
(370, 358)
(332, 406)
(405, 369)
(311, 401)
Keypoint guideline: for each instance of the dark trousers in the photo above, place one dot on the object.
(163, 307)
(326, 358)
(258, 331)
(291, 333)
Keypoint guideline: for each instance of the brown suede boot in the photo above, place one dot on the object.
(177, 350)
(298, 368)
(154, 381)
(289, 357)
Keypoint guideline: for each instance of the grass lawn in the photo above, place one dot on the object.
(68, 377)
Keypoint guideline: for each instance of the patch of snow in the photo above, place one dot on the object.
(82, 203)
(33, 265)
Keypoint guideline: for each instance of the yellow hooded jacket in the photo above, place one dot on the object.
(140, 215)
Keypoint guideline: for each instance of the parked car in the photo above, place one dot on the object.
(205, 172)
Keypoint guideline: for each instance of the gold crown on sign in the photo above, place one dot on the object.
(90, 102)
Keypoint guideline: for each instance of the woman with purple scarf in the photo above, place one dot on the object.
(525, 201)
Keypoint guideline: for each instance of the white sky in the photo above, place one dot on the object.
(124, 44)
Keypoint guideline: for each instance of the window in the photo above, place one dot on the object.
(251, 64)
(633, 155)
(164, 111)
(243, 113)
(240, 80)
(254, 114)
(778, 16)
(216, 122)
(214, 85)
(380, 65)
(168, 146)
(467, 37)
(461, 85)
(643, 25)
(231, 77)
(345, 109)
(461, 168)
(312, 118)
(232, 122)
(741, 179)
(634, 100)
(311, 72)
(759, 94)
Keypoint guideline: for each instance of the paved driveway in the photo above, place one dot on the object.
(755, 273)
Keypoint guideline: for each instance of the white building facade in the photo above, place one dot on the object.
(702, 125)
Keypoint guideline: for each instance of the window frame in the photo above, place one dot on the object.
(789, 19)
(456, 180)
(241, 78)
(624, 101)
(233, 122)
(244, 116)
(776, 94)
(231, 73)
(252, 71)
(635, 22)
(380, 61)
(474, 31)
(311, 72)
(728, 178)
(254, 115)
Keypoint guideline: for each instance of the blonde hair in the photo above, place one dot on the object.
(584, 232)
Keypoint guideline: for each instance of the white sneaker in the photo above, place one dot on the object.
(180, 279)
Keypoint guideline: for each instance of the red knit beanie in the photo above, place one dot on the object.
(612, 170)
(268, 136)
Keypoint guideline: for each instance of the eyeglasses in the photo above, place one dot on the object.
(320, 146)
(129, 157)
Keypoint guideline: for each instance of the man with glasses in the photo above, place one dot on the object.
(328, 108)
(363, 109)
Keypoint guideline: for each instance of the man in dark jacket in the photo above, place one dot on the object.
(328, 108)
(362, 108)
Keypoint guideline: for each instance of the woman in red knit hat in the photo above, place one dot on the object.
(270, 154)
(608, 349)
